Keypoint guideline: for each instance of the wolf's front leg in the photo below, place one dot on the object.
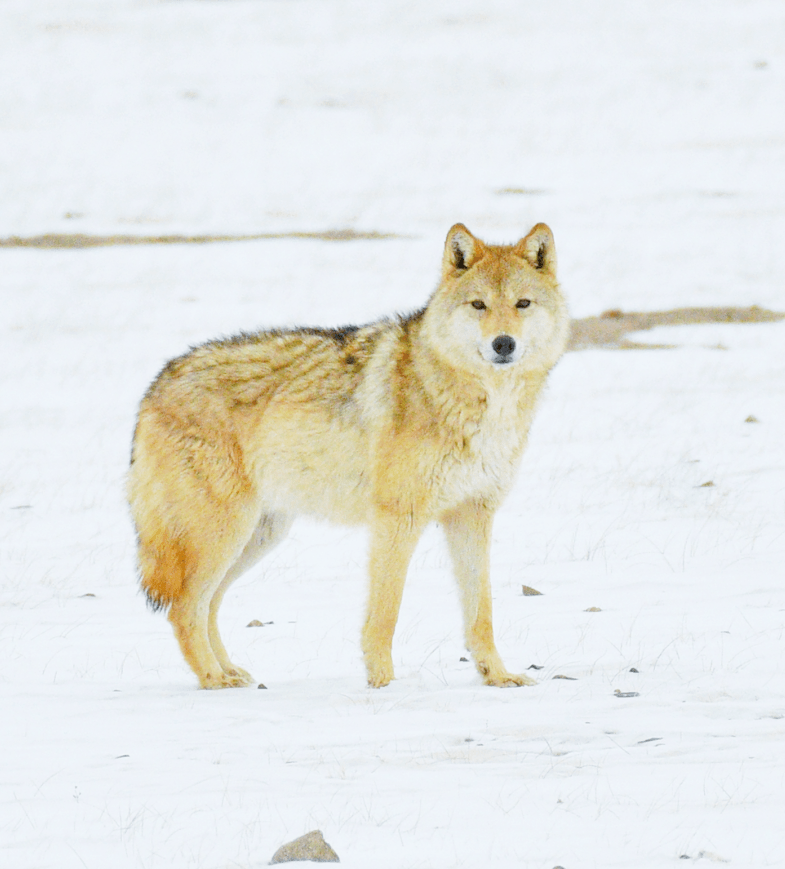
(468, 532)
(393, 539)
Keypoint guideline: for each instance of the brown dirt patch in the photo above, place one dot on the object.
(55, 241)
(611, 328)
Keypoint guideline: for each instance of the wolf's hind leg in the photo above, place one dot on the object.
(268, 533)
(188, 616)
(208, 553)
(468, 532)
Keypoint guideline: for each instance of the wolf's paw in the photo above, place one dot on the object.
(237, 679)
(243, 677)
(503, 679)
(379, 674)
(510, 680)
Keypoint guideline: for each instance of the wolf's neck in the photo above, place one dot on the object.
(443, 383)
(472, 395)
(477, 420)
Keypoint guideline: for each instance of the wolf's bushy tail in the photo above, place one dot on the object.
(164, 564)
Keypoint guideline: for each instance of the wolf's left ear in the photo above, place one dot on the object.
(538, 249)
(461, 250)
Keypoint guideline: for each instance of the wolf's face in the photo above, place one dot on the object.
(499, 306)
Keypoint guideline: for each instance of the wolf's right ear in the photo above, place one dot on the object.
(461, 250)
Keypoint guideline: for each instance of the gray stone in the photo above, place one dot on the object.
(311, 846)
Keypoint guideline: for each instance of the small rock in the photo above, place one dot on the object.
(464, 659)
(634, 670)
(534, 667)
(529, 591)
(255, 623)
(311, 846)
(262, 685)
(570, 678)
(752, 418)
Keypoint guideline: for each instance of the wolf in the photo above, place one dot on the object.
(410, 420)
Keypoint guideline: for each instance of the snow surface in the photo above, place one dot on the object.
(651, 137)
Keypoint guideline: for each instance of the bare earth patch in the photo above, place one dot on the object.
(54, 241)
(611, 328)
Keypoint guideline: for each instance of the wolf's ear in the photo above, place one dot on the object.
(538, 249)
(461, 250)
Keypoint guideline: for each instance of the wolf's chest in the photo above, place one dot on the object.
(485, 463)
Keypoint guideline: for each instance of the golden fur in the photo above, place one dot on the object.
(395, 425)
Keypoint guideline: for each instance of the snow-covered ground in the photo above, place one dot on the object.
(651, 137)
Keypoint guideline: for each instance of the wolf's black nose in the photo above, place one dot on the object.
(503, 345)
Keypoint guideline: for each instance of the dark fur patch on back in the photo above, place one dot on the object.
(340, 335)
(407, 320)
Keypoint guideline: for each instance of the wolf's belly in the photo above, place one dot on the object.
(315, 465)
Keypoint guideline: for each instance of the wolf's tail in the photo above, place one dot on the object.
(164, 565)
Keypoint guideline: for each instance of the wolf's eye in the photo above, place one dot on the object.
(523, 303)
(480, 306)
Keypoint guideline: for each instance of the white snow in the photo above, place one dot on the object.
(652, 135)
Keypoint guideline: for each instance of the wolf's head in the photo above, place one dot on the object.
(498, 306)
